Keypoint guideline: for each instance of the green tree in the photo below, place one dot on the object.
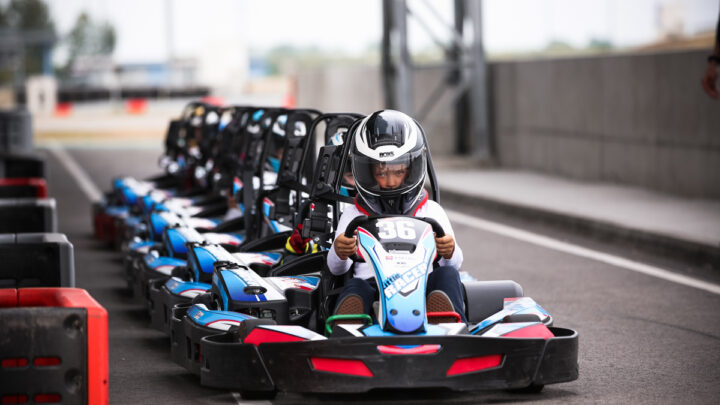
(107, 38)
(25, 15)
(601, 45)
(558, 46)
(87, 38)
(28, 16)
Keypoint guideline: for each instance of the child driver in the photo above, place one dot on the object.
(388, 163)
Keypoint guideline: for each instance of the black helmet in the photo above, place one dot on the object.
(389, 161)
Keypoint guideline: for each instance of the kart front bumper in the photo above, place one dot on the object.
(161, 303)
(223, 361)
(292, 366)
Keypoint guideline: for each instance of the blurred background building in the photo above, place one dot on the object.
(600, 90)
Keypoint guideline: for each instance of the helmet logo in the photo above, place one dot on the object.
(387, 154)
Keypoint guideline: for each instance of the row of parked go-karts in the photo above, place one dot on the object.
(210, 247)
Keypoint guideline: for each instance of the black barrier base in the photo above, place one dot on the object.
(44, 355)
(36, 260)
(21, 165)
(27, 215)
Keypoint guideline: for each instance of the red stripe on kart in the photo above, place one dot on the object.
(341, 366)
(427, 232)
(422, 349)
(473, 364)
(535, 331)
(260, 335)
(224, 320)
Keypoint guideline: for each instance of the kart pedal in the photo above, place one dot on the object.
(439, 302)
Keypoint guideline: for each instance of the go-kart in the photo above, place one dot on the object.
(267, 223)
(256, 336)
(313, 217)
(182, 162)
(149, 262)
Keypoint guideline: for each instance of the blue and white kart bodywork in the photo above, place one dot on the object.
(291, 300)
(401, 274)
(508, 343)
(195, 279)
(170, 233)
(139, 198)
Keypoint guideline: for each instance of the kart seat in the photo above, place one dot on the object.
(484, 298)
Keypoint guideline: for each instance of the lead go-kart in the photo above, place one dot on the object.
(263, 335)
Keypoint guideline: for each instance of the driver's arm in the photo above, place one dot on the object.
(336, 264)
(344, 247)
(436, 212)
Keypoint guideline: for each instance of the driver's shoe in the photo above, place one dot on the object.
(438, 301)
(350, 305)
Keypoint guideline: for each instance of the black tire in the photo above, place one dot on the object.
(204, 298)
(530, 389)
(216, 303)
(257, 395)
(182, 272)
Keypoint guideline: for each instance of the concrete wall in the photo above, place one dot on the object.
(359, 89)
(340, 89)
(634, 119)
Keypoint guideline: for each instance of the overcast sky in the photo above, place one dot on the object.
(354, 25)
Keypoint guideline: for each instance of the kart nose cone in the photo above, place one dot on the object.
(406, 320)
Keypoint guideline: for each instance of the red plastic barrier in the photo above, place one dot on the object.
(97, 329)
(136, 106)
(8, 298)
(63, 109)
(104, 227)
(213, 100)
(38, 183)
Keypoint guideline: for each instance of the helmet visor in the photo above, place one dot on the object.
(389, 178)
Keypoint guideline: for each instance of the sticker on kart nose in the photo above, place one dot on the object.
(404, 283)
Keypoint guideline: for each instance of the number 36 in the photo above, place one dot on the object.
(396, 229)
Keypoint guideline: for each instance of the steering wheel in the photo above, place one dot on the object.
(363, 219)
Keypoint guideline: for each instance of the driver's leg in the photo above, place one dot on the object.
(447, 280)
(357, 296)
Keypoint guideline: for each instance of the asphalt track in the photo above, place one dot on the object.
(642, 339)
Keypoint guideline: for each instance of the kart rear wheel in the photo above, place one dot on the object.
(256, 395)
